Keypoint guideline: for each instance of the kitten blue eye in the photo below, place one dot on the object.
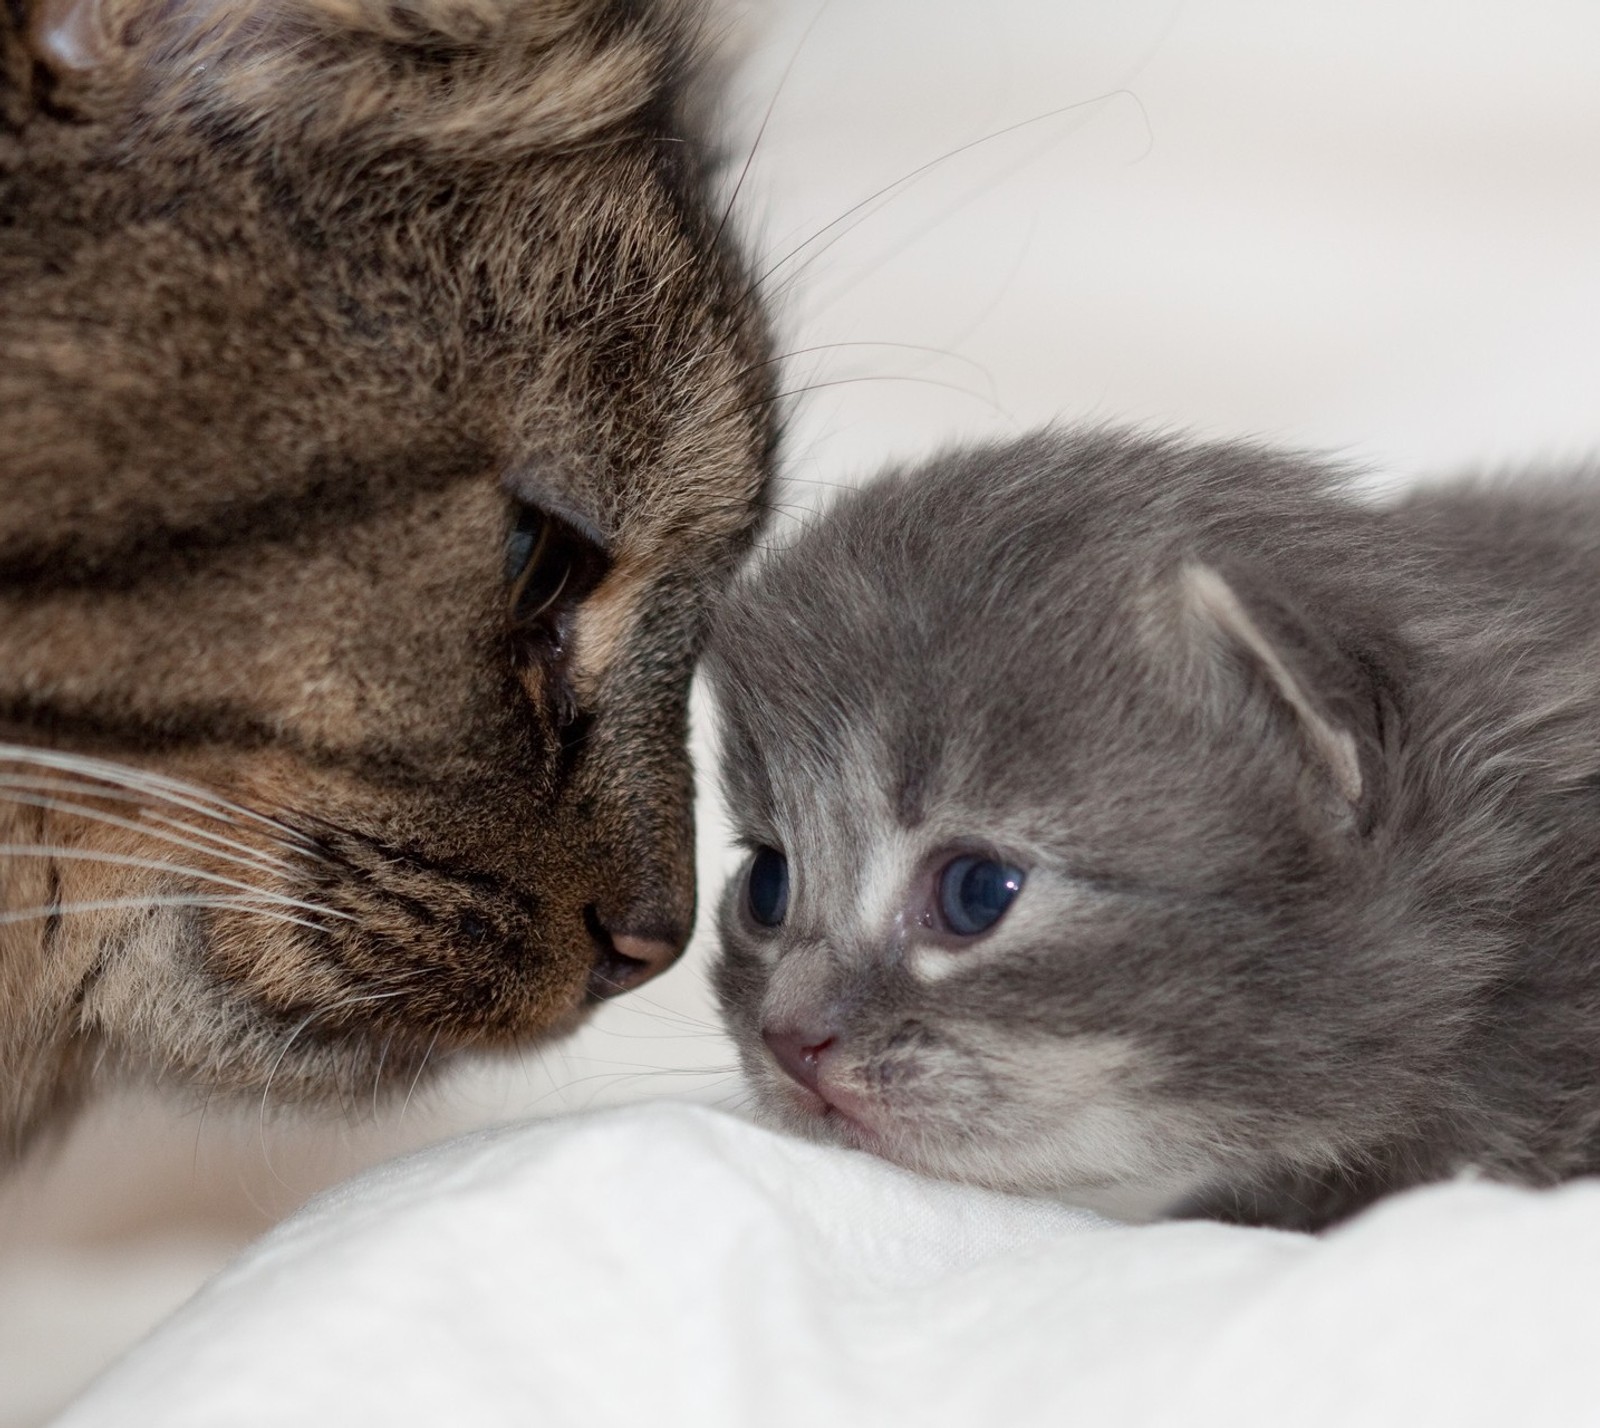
(974, 893)
(767, 891)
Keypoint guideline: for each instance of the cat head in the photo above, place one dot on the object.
(1067, 771)
(381, 404)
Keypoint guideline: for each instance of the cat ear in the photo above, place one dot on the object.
(1225, 630)
(61, 56)
(68, 37)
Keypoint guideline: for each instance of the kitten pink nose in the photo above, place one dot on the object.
(799, 1053)
(625, 960)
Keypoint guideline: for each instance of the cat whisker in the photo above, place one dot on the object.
(377, 1075)
(572, 1083)
(641, 1005)
(160, 786)
(599, 1081)
(10, 792)
(199, 1132)
(57, 853)
(647, 1069)
(283, 1051)
(422, 1066)
(650, 1013)
(638, 1004)
(288, 840)
(155, 900)
(304, 852)
(706, 1035)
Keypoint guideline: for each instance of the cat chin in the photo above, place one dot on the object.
(167, 1015)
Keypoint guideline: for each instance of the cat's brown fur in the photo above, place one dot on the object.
(300, 303)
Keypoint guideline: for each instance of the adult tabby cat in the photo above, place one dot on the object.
(380, 407)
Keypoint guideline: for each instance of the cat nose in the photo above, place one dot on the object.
(799, 1053)
(625, 960)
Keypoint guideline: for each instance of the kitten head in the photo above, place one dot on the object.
(381, 404)
(1075, 862)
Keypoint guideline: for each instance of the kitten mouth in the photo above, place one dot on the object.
(835, 1112)
(848, 1128)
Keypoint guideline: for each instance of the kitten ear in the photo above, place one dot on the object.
(1219, 621)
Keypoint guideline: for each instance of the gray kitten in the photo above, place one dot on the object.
(1161, 827)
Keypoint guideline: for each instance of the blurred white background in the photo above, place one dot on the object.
(1370, 225)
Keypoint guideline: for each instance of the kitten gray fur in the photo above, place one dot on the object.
(1307, 790)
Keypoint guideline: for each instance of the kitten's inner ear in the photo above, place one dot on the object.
(1211, 605)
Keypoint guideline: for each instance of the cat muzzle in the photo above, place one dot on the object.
(625, 960)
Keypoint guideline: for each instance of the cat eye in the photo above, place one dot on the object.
(767, 887)
(974, 893)
(551, 566)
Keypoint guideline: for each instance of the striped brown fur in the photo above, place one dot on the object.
(302, 303)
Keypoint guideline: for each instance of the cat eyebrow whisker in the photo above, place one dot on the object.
(159, 786)
(956, 387)
(915, 175)
(925, 348)
(34, 796)
(766, 118)
(56, 852)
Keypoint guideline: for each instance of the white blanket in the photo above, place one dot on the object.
(667, 1265)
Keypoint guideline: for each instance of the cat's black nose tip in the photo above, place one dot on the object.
(799, 1053)
(625, 960)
